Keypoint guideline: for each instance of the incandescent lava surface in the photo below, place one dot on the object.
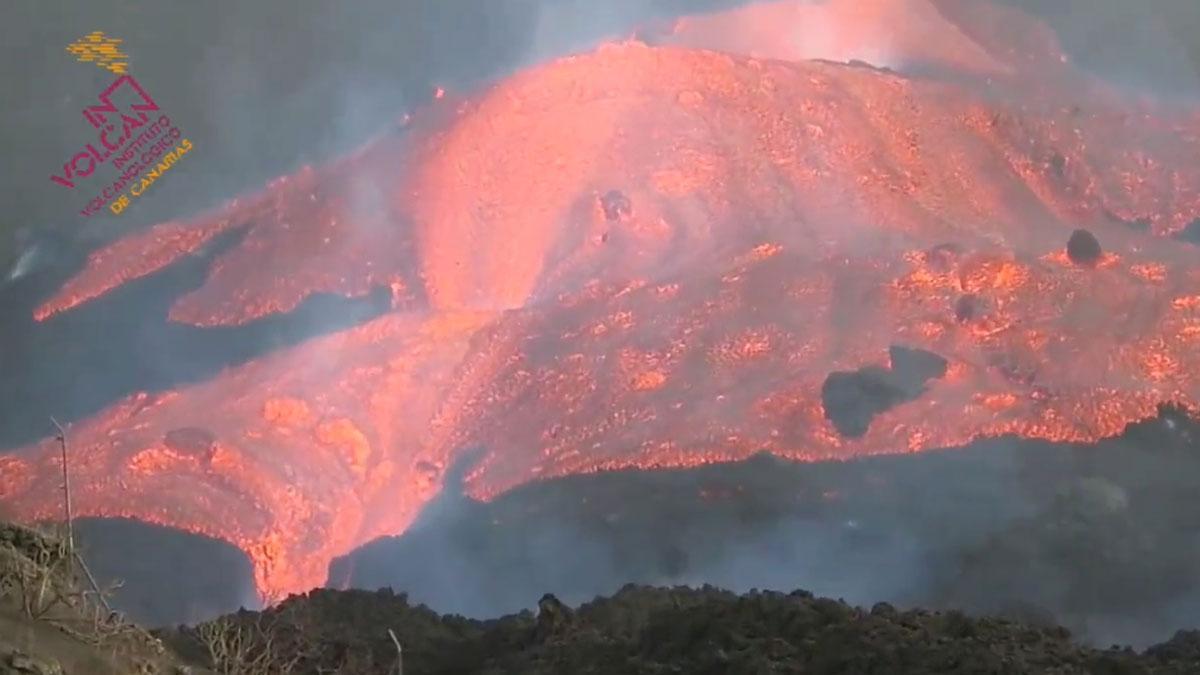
(657, 256)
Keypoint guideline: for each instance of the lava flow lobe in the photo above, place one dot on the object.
(659, 256)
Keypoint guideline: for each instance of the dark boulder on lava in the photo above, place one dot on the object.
(912, 368)
(967, 307)
(851, 399)
(616, 205)
(1083, 248)
(191, 441)
(943, 256)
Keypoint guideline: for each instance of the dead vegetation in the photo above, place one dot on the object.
(246, 647)
(42, 583)
(35, 571)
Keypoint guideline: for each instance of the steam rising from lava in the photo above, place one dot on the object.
(655, 256)
(839, 30)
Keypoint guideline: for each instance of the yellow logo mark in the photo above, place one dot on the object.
(102, 50)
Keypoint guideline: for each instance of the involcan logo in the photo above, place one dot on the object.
(98, 48)
(133, 134)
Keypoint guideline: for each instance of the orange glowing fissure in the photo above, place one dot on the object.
(653, 256)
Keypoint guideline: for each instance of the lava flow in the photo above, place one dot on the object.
(657, 256)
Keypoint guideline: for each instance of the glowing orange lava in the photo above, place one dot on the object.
(654, 256)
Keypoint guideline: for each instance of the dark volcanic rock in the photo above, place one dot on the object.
(967, 307)
(1190, 233)
(912, 368)
(616, 205)
(192, 441)
(1183, 649)
(943, 256)
(852, 399)
(643, 630)
(1083, 248)
(1058, 165)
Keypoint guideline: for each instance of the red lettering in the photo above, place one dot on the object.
(104, 138)
(67, 173)
(90, 167)
(91, 149)
(93, 113)
(134, 117)
(96, 114)
(125, 157)
(131, 123)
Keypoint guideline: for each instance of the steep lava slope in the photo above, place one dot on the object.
(656, 256)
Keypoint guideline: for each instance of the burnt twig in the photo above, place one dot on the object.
(62, 442)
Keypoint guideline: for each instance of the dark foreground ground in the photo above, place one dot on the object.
(638, 630)
(643, 630)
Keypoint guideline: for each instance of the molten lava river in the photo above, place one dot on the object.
(655, 254)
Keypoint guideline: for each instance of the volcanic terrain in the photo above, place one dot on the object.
(669, 252)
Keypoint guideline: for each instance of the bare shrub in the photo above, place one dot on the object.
(36, 571)
(245, 647)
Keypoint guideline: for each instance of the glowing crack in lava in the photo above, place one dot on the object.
(656, 256)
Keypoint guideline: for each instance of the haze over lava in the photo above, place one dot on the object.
(655, 255)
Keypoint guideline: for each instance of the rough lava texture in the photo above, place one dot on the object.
(655, 256)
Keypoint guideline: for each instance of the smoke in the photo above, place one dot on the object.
(1099, 538)
(1150, 47)
(765, 524)
(181, 578)
(571, 26)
